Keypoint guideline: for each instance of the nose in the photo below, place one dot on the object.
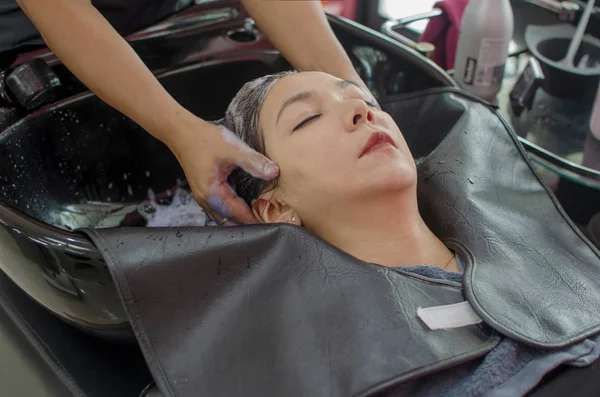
(358, 114)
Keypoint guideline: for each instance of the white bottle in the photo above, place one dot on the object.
(486, 30)
(595, 117)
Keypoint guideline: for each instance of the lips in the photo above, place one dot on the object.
(376, 140)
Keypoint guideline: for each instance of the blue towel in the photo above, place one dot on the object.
(509, 370)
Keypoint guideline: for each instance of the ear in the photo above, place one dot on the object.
(271, 210)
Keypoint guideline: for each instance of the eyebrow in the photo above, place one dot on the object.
(306, 95)
(301, 96)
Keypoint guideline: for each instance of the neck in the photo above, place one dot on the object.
(386, 230)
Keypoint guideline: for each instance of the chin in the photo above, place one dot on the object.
(391, 179)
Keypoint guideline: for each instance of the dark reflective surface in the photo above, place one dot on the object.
(80, 164)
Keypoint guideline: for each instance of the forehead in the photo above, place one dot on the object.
(302, 81)
(293, 84)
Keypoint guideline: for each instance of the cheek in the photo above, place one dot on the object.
(312, 169)
(309, 166)
(313, 153)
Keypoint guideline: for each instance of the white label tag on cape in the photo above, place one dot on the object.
(449, 316)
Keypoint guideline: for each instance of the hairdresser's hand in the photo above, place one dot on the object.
(208, 155)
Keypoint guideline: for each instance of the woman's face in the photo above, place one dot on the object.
(332, 146)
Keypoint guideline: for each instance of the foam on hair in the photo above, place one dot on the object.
(242, 118)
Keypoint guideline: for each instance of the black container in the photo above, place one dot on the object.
(549, 45)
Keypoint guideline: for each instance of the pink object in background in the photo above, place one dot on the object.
(443, 32)
(343, 8)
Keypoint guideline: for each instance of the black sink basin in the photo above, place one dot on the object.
(77, 163)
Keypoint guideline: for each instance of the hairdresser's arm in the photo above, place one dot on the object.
(94, 52)
(300, 30)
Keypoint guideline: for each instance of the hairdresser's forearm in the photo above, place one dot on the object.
(94, 52)
(300, 30)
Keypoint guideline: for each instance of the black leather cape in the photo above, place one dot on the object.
(271, 310)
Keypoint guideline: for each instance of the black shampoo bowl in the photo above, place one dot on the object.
(76, 161)
(80, 164)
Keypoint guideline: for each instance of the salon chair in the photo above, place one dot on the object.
(69, 160)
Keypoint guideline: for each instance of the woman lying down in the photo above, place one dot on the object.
(348, 176)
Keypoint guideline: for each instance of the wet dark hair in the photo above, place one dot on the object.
(242, 118)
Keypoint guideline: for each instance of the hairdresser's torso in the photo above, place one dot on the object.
(126, 16)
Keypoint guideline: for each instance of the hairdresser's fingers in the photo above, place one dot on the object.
(214, 215)
(220, 201)
(235, 209)
(247, 158)
(208, 159)
(256, 164)
(219, 219)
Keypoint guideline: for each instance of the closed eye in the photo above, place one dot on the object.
(306, 121)
(313, 117)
